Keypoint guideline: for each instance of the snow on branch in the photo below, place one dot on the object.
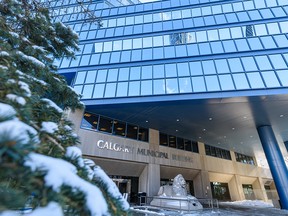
(112, 188)
(52, 104)
(16, 98)
(49, 127)
(31, 59)
(60, 172)
(6, 111)
(15, 130)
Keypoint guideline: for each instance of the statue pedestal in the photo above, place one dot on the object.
(189, 203)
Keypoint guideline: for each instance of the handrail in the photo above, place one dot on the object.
(206, 202)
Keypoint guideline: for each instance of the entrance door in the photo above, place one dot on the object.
(248, 192)
(128, 187)
(220, 191)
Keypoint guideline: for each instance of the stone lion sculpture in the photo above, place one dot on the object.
(178, 189)
(175, 197)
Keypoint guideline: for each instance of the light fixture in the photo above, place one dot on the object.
(233, 128)
(177, 120)
(147, 121)
(210, 119)
(200, 137)
(176, 130)
(245, 117)
(87, 114)
(204, 129)
(281, 116)
(224, 137)
(95, 122)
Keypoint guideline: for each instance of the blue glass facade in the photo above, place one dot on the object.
(179, 47)
(193, 48)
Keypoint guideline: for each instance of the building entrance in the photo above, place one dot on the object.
(128, 187)
(220, 191)
(248, 192)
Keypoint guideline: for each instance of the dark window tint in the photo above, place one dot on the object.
(132, 131)
(143, 134)
(105, 124)
(119, 128)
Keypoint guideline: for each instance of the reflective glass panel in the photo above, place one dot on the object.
(249, 64)
(235, 65)
(122, 89)
(270, 79)
(80, 77)
(185, 85)
(158, 71)
(240, 81)
(278, 61)
(212, 83)
(87, 91)
(101, 76)
(171, 86)
(146, 72)
(263, 63)
(283, 76)
(170, 70)
(198, 84)
(222, 66)
(159, 86)
(134, 88)
(123, 74)
(146, 87)
(135, 73)
(208, 67)
(195, 68)
(183, 69)
(112, 75)
(226, 82)
(90, 78)
(110, 90)
(255, 80)
(98, 91)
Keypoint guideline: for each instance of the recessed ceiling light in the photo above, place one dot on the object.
(177, 120)
(281, 116)
(233, 128)
(176, 130)
(210, 119)
(224, 136)
(204, 129)
(147, 121)
(218, 143)
(241, 142)
(244, 117)
(200, 137)
(251, 136)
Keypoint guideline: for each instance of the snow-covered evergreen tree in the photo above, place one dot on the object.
(40, 164)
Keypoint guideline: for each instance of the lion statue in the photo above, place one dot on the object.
(178, 189)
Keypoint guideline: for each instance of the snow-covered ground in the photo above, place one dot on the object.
(238, 208)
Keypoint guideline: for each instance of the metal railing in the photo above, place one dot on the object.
(206, 203)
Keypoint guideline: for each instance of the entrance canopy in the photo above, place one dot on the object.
(227, 120)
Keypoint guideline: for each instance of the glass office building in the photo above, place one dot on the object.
(183, 73)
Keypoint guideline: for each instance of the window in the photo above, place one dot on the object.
(95, 122)
(217, 152)
(105, 124)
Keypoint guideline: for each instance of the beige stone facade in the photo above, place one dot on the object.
(151, 162)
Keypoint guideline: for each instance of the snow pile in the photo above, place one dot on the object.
(60, 172)
(255, 203)
(49, 127)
